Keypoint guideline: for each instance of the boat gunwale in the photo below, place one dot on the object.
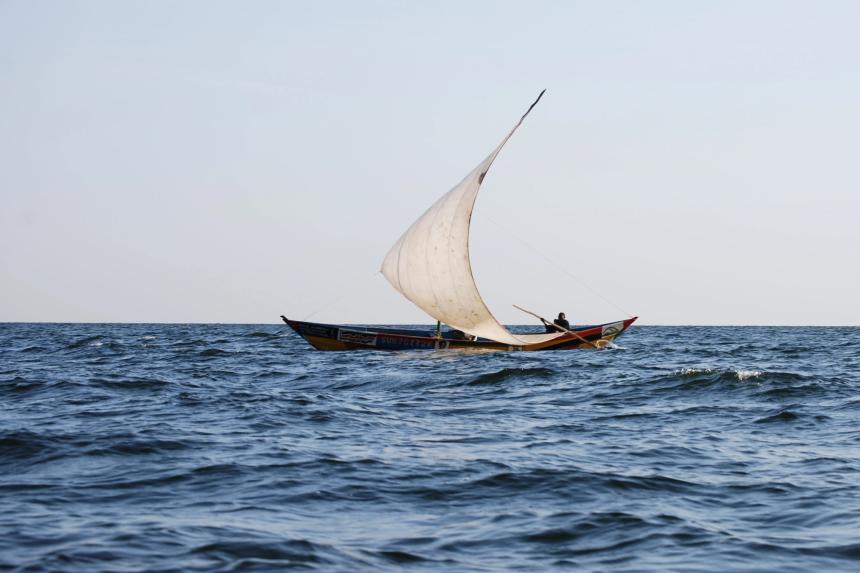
(431, 342)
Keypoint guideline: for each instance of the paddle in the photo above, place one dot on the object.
(563, 329)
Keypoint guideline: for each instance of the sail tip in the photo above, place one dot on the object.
(540, 95)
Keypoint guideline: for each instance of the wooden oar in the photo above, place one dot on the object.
(563, 329)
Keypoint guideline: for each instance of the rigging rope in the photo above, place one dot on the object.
(556, 264)
(350, 290)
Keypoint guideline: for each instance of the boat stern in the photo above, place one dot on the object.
(320, 336)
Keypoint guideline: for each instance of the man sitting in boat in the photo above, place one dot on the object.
(560, 321)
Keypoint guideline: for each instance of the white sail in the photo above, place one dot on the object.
(430, 263)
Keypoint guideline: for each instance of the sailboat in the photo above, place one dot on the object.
(430, 266)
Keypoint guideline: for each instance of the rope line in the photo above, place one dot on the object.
(335, 301)
(556, 264)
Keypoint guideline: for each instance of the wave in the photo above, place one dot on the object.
(262, 335)
(87, 341)
(273, 553)
(552, 536)
(137, 447)
(401, 556)
(784, 415)
(805, 390)
(19, 385)
(129, 384)
(450, 486)
(214, 352)
(595, 524)
(35, 447)
(649, 483)
(506, 374)
(722, 372)
(33, 350)
(704, 378)
(567, 483)
(23, 444)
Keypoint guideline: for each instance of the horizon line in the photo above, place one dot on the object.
(3, 322)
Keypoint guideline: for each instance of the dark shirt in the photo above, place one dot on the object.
(559, 321)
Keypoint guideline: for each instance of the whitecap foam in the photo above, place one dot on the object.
(694, 371)
(747, 374)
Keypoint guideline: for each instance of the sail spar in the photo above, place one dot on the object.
(430, 264)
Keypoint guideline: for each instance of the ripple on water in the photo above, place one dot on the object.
(507, 374)
(237, 447)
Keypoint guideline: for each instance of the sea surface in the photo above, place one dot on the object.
(240, 448)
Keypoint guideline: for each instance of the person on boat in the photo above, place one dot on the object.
(560, 321)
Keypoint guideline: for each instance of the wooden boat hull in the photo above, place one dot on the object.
(346, 337)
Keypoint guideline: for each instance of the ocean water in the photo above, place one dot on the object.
(239, 448)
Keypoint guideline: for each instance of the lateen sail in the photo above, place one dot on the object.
(430, 263)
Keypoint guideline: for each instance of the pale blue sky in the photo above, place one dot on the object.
(696, 162)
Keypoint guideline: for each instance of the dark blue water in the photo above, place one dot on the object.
(239, 448)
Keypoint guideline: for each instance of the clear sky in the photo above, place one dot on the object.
(692, 162)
